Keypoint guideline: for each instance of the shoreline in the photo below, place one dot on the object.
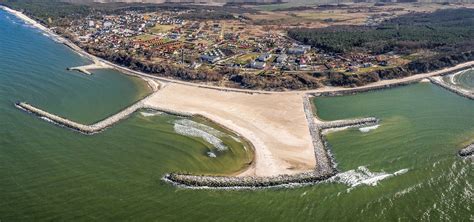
(291, 149)
(453, 88)
(327, 90)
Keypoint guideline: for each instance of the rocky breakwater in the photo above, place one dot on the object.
(323, 159)
(86, 129)
(349, 123)
(452, 88)
(247, 182)
(468, 151)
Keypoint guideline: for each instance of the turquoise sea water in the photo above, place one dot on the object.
(50, 173)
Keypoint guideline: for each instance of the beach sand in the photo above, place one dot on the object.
(274, 124)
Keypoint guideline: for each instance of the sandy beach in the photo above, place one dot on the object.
(274, 124)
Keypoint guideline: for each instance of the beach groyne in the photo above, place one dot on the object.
(350, 123)
(86, 129)
(467, 151)
(452, 88)
(247, 182)
(323, 158)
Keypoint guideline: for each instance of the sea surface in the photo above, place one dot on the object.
(406, 169)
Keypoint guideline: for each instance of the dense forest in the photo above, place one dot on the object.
(43, 10)
(58, 10)
(443, 29)
(448, 33)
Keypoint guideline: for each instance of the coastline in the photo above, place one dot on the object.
(102, 63)
(290, 151)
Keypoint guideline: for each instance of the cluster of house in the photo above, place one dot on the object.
(354, 62)
(115, 29)
(293, 58)
(211, 42)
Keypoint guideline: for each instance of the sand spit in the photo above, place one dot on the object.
(86, 69)
(80, 69)
(462, 92)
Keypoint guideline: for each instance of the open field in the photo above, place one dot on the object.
(351, 14)
(144, 37)
(162, 28)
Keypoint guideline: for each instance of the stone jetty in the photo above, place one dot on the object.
(247, 182)
(349, 123)
(468, 151)
(86, 129)
(323, 159)
(452, 88)
(324, 169)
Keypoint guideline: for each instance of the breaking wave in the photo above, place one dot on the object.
(368, 128)
(47, 119)
(188, 127)
(211, 154)
(208, 129)
(363, 176)
(150, 113)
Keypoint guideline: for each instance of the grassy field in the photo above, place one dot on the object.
(144, 37)
(243, 59)
(310, 18)
(161, 28)
(280, 6)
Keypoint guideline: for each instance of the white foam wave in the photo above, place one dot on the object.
(208, 129)
(190, 128)
(150, 113)
(236, 139)
(407, 190)
(47, 119)
(363, 176)
(211, 154)
(452, 77)
(368, 128)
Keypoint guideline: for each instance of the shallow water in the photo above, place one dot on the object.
(50, 173)
(463, 79)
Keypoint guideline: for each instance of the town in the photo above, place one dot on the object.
(164, 37)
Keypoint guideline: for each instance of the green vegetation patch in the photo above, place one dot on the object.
(451, 28)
